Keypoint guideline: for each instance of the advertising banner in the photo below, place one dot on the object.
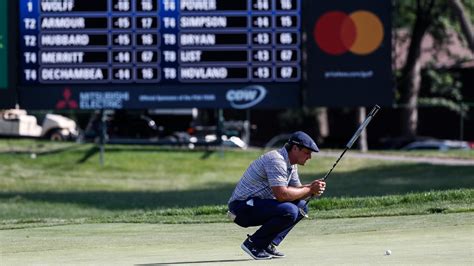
(349, 53)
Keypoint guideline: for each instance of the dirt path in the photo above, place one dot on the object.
(386, 157)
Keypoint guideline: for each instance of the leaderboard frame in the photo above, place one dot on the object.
(8, 96)
(134, 54)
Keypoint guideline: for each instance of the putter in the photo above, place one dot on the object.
(349, 144)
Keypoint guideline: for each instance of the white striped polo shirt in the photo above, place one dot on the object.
(271, 169)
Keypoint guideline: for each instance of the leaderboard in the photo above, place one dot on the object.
(159, 41)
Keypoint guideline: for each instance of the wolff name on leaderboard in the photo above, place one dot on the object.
(159, 41)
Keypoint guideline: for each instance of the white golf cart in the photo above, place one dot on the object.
(17, 123)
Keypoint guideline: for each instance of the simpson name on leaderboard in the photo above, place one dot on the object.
(203, 22)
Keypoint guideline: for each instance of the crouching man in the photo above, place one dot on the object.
(270, 194)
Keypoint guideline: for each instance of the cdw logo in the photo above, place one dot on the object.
(246, 97)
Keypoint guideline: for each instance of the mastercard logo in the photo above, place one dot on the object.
(360, 32)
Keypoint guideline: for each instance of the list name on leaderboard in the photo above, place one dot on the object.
(159, 41)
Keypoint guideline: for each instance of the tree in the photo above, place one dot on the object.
(464, 20)
(423, 17)
(409, 82)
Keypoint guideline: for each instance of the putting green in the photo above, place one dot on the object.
(439, 239)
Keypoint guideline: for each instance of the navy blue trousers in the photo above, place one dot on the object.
(276, 218)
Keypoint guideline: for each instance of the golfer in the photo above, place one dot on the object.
(270, 194)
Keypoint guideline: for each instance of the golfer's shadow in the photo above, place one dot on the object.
(193, 262)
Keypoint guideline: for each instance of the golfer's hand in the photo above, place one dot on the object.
(317, 187)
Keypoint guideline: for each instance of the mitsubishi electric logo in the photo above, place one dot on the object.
(67, 101)
(246, 97)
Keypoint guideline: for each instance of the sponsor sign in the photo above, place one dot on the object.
(239, 96)
(246, 97)
(349, 53)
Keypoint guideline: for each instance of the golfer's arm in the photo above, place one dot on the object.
(283, 193)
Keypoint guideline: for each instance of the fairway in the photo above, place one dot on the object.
(438, 239)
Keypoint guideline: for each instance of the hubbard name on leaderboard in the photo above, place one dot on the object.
(159, 41)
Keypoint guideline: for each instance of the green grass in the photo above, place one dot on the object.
(440, 239)
(65, 184)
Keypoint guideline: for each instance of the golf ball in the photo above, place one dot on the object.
(388, 252)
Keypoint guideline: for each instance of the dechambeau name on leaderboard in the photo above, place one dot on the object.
(72, 74)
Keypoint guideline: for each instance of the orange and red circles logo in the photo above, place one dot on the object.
(360, 32)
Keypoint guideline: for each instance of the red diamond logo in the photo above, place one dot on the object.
(67, 102)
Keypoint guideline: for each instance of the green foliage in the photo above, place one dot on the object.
(441, 16)
(404, 14)
(443, 102)
(444, 83)
(442, 23)
(444, 91)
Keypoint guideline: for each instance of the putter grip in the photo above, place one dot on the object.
(358, 132)
(364, 124)
(374, 110)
